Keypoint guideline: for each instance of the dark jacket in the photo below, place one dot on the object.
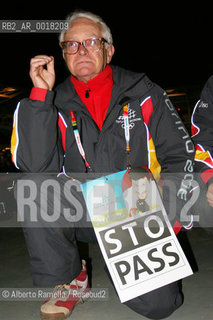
(43, 138)
(202, 132)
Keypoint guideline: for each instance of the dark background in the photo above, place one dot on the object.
(171, 42)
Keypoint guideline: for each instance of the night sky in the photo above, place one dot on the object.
(171, 44)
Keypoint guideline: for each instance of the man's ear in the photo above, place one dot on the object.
(110, 53)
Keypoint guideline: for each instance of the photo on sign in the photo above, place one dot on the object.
(116, 197)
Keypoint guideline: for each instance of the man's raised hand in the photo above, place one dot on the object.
(42, 72)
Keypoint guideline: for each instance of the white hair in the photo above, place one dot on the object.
(106, 32)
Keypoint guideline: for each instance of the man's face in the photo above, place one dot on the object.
(84, 64)
(141, 187)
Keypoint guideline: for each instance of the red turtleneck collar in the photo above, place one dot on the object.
(96, 94)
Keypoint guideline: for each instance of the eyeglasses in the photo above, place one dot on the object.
(93, 45)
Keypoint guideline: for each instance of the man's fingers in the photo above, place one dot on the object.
(210, 200)
(50, 65)
(43, 57)
(41, 61)
(209, 195)
(42, 71)
(210, 203)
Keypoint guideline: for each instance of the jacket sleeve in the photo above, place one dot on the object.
(173, 150)
(174, 147)
(202, 132)
(36, 143)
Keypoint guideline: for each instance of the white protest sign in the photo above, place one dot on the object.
(135, 236)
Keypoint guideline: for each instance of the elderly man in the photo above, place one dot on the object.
(79, 127)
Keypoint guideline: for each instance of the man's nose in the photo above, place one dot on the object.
(82, 49)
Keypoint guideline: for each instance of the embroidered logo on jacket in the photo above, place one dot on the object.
(132, 119)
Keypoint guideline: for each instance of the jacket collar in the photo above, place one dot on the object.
(125, 83)
(95, 83)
